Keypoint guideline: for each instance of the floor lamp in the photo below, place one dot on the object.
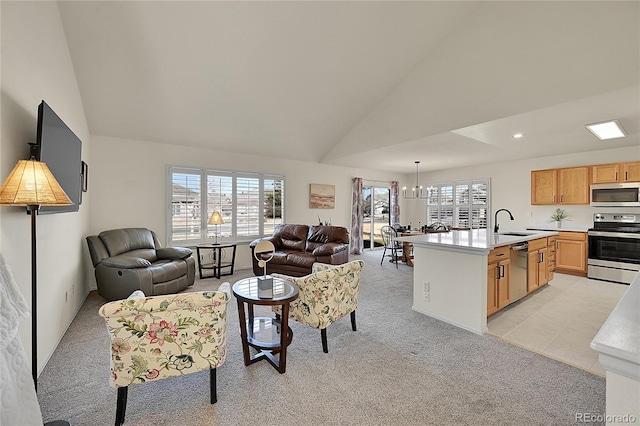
(32, 184)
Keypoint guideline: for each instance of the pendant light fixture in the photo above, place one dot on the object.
(416, 191)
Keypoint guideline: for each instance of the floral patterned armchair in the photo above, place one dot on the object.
(158, 337)
(327, 294)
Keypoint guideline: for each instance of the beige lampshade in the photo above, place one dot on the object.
(216, 219)
(32, 183)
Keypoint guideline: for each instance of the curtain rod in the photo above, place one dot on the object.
(374, 180)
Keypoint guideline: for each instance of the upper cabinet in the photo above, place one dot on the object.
(616, 173)
(560, 186)
(573, 185)
(544, 187)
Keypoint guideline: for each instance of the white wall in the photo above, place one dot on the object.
(36, 66)
(128, 184)
(511, 187)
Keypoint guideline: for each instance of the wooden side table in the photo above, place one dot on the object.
(267, 335)
(217, 260)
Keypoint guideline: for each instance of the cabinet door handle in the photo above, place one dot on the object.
(562, 198)
(625, 176)
(554, 198)
(502, 273)
(498, 271)
(499, 254)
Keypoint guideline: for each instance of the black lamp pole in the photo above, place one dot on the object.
(33, 210)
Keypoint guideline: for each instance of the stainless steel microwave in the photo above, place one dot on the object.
(615, 194)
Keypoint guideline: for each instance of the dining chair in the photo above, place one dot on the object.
(389, 239)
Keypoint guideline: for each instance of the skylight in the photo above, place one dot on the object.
(607, 130)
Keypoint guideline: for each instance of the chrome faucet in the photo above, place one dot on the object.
(495, 219)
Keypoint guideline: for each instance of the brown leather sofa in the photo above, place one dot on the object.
(131, 259)
(298, 247)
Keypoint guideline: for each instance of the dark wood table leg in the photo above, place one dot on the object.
(233, 259)
(199, 262)
(217, 261)
(243, 332)
(284, 336)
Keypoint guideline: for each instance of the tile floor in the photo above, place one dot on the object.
(560, 319)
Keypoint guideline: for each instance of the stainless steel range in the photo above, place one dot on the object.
(614, 247)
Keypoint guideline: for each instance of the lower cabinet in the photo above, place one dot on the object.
(571, 253)
(537, 264)
(551, 256)
(498, 271)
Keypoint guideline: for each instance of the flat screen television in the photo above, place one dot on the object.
(58, 147)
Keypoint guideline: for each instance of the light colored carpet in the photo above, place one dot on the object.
(400, 367)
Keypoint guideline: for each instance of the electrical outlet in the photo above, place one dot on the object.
(73, 288)
(426, 291)
(66, 296)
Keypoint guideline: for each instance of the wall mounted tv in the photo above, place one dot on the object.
(58, 147)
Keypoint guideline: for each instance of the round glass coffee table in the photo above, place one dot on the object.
(265, 333)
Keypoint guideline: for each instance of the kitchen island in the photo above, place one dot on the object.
(618, 344)
(450, 273)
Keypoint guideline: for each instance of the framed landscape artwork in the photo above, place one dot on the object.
(322, 196)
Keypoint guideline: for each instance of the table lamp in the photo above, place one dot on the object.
(265, 282)
(216, 219)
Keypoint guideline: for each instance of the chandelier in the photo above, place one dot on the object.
(416, 191)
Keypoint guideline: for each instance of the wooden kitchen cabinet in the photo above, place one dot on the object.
(571, 253)
(616, 172)
(537, 264)
(551, 256)
(560, 186)
(498, 271)
(544, 187)
(631, 172)
(573, 185)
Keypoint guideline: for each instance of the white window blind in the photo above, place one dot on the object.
(186, 201)
(251, 205)
(459, 204)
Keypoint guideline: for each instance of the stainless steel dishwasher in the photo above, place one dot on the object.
(518, 277)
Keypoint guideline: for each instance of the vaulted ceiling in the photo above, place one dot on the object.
(378, 84)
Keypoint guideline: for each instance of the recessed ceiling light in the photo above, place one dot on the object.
(518, 135)
(607, 130)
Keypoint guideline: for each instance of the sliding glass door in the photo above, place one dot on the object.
(376, 214)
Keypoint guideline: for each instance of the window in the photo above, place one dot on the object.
(459, 204)
(251, 205)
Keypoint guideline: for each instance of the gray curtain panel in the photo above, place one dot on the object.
(357, 217)
(395, 205)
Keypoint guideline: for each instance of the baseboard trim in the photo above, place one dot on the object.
(50, 354)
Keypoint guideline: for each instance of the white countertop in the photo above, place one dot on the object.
(618, 341)
(475, 241)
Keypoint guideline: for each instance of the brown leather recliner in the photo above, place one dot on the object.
(298, 247)
(131, 259)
